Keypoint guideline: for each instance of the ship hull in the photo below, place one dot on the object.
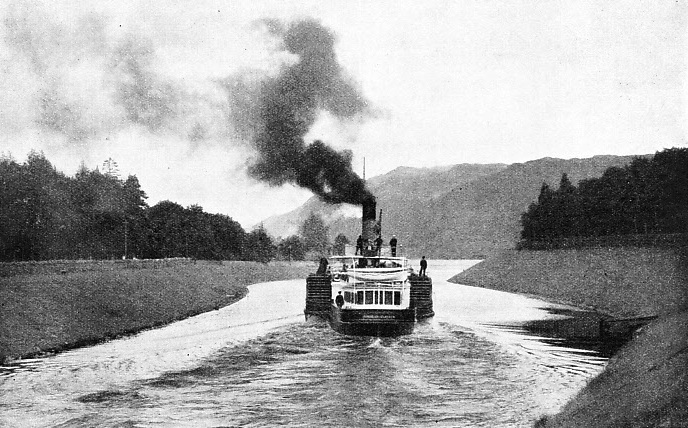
(372, 322)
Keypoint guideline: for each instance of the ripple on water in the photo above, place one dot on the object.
(441, 376)
(108, 396)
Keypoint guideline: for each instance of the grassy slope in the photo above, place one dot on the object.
(646, 384)
(625, 282)
(47, 310)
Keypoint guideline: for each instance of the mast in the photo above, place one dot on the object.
(379, 224)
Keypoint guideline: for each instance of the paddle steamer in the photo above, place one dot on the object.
(370, 292)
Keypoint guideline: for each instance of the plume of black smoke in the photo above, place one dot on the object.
(276, 113)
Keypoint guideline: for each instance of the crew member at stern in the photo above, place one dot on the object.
(423, 266)
(339, 300)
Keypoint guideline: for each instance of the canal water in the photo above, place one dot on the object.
(258, 363)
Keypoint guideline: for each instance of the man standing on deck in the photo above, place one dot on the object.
(393, 245)
(359, 245)
(339, 300)
(423, 266)
(378, 244)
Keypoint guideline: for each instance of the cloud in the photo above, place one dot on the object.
(146, 98)
(78, 81)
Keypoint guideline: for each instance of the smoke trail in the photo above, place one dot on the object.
(84, 80)
(274, 115)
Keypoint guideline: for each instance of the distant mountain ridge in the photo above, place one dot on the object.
(460, 211)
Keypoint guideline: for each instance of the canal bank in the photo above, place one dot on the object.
(645, 384)
(58, 305)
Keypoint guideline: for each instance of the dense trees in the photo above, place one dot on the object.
(106, 217)
(292, 248)
(339, 246)
(46, 215)
(311, 242)
(259, 246)
(314, 234)
(648, 196)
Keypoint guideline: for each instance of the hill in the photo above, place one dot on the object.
(462, 211)
(484, 216)
(398, 192)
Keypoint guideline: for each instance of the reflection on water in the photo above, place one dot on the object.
(576, 329)
(479, 362)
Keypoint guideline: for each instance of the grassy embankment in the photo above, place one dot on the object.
(622, 282)
(646, 383)
(53, 306)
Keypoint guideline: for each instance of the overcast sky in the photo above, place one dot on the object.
(446, 82)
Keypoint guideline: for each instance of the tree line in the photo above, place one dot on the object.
(47, 215)
(311, 242)
(647, 196)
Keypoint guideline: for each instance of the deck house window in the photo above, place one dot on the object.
(369, 297)
(373, 297)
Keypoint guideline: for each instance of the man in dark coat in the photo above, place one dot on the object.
(359, 245)
(423, 266)
(378, 244)
(339, 300)
(393, 245)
